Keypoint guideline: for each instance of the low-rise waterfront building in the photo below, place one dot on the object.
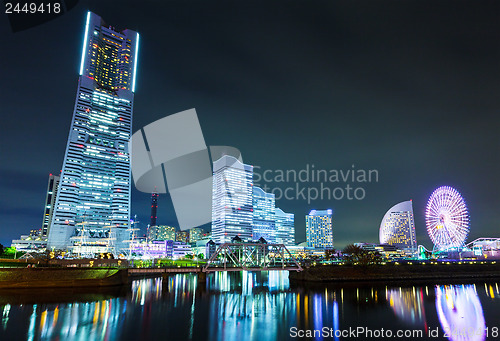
(180, 250)
(28, 243)
(153, 249)
(389, 252)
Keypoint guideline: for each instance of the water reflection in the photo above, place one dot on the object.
(408, 305)
(460, 312)
(492, 290)
(246, 306)
(5, 316)
(94, 320)
(261, 306)
(243, 303)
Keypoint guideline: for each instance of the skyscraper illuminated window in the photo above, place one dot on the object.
(93, 200)
(398, 227)
(232, 207)
(319, 232)
(263, 216)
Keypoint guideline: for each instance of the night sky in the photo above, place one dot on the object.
(409, 88)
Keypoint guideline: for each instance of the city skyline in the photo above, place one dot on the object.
(445, 145)
(250, 170)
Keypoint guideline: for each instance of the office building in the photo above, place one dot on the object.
(263, 216)
(50, 200)
(398, 227)
(319, 231)
(232, 200)
(182, 236)
(161, 232)
(285, 227)
(92, 209)
(195, 234)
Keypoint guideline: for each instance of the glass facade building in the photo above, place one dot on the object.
(285, 227)
(232, 205)
(398, 227)
(93, 201)
(263, 216)
(319, 231)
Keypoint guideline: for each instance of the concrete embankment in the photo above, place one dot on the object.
(61, 277)
(403, 272)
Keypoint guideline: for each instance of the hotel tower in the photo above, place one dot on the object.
(319, 232)
(398, 227)
(92, 209)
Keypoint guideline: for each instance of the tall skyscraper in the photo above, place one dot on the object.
(50, 200)
(232, 200)
(93, 201)
(154, 208)
(319, 232)
(285, 227)
(263, 216)
(398, 227)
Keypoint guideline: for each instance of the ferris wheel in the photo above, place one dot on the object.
(447, 218)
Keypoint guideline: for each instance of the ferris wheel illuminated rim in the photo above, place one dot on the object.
(447, 218)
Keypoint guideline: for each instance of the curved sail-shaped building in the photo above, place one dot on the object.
(398, 227)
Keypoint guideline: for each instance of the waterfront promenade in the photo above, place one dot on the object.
(396, 272)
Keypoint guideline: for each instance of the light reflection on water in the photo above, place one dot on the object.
(460, 312)
(408, 305)
(249, 306)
